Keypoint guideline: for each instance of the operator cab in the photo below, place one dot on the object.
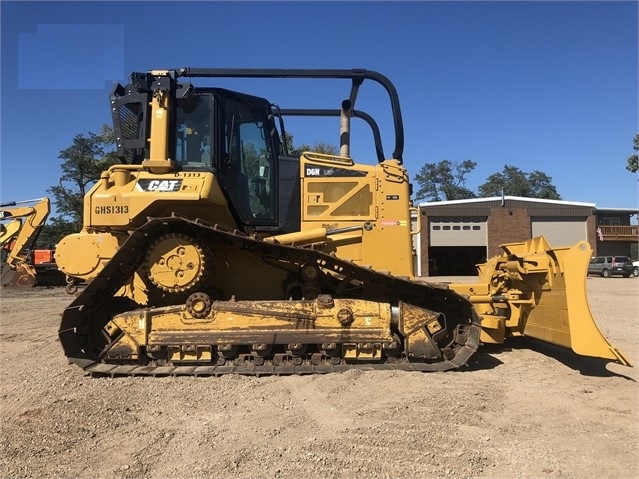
(232, 135)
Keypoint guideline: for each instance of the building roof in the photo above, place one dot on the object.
(631, 211)
(505, 198)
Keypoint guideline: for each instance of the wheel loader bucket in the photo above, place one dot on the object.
(538, 291)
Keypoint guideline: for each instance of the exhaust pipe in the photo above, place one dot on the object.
(345, 129)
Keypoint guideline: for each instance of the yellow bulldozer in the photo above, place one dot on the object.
(211, 250)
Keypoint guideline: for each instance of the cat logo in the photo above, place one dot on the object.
(159, 185)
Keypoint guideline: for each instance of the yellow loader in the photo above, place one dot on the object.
(20, 226)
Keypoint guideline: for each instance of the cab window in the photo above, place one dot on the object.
(248, 169)
(193, 135)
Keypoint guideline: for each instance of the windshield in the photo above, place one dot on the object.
(193, 131)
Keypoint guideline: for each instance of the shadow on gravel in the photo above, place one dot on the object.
(483, 359)
(585, 365)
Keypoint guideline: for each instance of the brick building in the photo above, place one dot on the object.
(456, 235)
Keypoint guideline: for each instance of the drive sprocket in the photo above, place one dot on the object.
(177, 263)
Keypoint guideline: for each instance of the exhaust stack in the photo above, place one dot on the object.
(345, 129)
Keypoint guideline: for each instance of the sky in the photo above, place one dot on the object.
(547, 86)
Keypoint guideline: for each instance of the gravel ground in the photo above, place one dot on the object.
(526, 410)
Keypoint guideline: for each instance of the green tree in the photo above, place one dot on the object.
(54, 230)
(82, 163)
(633, 160)
(318, 147)
(445, 180)
(515, 182)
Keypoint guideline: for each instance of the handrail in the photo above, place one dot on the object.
(618, 232)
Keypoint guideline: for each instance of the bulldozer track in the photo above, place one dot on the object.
(112, 370)
(79, 331)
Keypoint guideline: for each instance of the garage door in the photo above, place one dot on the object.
(560, 231)
(457, 231)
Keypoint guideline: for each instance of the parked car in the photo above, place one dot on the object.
(608, 266)
(635, 268)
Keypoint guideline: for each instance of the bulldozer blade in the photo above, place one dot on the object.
(537, 291)
(562, 316)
